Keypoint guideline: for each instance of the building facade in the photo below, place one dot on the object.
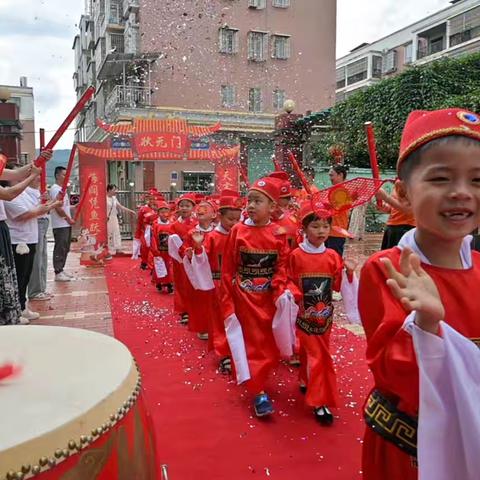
(451, 32)
(228, 61)
(17, 122)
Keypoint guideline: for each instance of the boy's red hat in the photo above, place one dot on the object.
(307, 207)
(285, 185)
(424, 126)
(162, 204)
(150, 217)
(268, 186)
(187, 196)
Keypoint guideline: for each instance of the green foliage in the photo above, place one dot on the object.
(445, 83)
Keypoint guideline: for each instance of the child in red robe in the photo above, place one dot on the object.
(316, 271)
(162, 275)
(207, 263)
(179, 231)
(253, 279)
(439, 171)
(140, 245)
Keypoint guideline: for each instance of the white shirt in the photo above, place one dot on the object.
(57, 220)
(21, 231)
(35, 194)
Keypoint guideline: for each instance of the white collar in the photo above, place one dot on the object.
(220, 229)
(408, 240)
(307, 247)
(205, 230)
(251, 223)
(160, 222)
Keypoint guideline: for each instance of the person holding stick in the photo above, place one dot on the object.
(62, 222)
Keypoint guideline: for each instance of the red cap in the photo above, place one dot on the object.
(153, 191)
(285, 185)
(307, 207)
(424, 126)
(268, 186)
(205, 202)
(162, 204)
(187, 196)
(150, 217)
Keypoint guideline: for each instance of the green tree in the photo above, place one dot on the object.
(441, 84)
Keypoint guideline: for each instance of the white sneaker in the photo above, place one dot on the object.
(23, 321)
(62, 277)
(68, 274)
(29, 315)
(40, 297)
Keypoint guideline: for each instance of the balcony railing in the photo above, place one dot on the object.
(130, 5)
(127, 97)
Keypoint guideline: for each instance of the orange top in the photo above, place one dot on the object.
(341, 220)
(399, 218)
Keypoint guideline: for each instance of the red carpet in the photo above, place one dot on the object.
(204, 424)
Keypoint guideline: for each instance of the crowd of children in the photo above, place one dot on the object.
(254, 276)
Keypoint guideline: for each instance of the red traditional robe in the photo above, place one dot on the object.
(253, 277)
(316, 275)
(159, 248)
(214, 245)
(140, 232)
(183, 288)
(199, 303)
(289, 223)
(390, 353)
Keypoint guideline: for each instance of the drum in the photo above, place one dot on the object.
(75, 411)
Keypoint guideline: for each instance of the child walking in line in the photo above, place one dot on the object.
(162, 275)
(411, 289)
(253, 279)
(316, 272)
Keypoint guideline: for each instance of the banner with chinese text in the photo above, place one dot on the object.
(226, 175)
(173, 143)
(93, 235)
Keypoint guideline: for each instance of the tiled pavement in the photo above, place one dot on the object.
(84, 302)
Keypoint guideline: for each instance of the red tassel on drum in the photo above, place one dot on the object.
(8, 370)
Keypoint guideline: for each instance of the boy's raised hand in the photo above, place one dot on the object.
(416, 290)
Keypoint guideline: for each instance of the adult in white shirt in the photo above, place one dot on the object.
(37, 286)
(113, 227)
(22, 213)
(61, 226)
(10, 313)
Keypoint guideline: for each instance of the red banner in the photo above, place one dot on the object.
(93, 234)
(174, 143)
(226, 175)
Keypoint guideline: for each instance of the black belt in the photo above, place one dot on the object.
(395, 426)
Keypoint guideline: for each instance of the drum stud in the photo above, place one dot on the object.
(72, 445)
(52, 462)
(18, 476)
(113, 417)
(83, 439)
(43, 461)
(65, 453)
(10, 475)
(95, 432)
(36, 469)
(89, 439)
(58, 453)
(26, 468)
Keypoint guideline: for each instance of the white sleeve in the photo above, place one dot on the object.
(203, 272)
(449, 418)
(234, 333)
(283, 325)
(174, 244)
(14, 208)
(349, 291)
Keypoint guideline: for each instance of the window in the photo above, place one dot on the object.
(390, 63)
(464, 27)
(228, 96)
(408, 52)
(23, 158)
(340, 74)
(257, 46)
(281, 3)
(377, 63)
(278, 99)
(197, 181)
(436, 45)
(340, 97)
(281, 47)
(115, 13)
(357, 71)
(255, 100)
(258, 4)
(117, 42)
(228, 40)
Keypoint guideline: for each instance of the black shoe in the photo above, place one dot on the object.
(169, 288)
(143, 266)
(303, 389)
(225, 366)
(184, 319)
(262, 405)
(323, 415)
(159, 288)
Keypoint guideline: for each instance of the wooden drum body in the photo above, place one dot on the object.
(75, 412)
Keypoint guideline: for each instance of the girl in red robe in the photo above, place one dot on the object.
(179, 231)
(253, 278)
(162, 275)
(316, 271)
